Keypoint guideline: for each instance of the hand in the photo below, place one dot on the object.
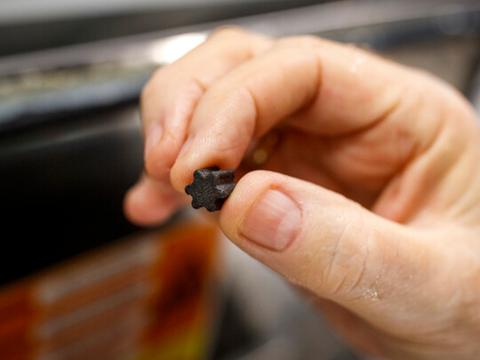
(371, 201)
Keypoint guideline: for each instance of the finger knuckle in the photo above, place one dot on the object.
(228, 32)
(147, 108)
(149, 89)
(152, 165)
(303, 52)
(346, 269)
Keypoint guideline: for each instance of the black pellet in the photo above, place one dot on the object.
(210, 188)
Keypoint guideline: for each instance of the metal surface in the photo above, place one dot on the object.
(341, 19)
(27, 10)
(27, 25)
(62, 188)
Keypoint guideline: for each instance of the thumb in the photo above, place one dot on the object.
(331, 246)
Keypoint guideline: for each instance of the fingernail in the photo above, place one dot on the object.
(153, 136)
(273, 222)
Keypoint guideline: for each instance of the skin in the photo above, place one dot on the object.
(382, 161)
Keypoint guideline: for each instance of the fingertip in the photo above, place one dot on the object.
(181, 175)
(193, 156)
(160, 156)
(202, 151)
(145, 206)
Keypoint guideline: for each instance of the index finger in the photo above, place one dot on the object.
(169, 98)
(330, 88)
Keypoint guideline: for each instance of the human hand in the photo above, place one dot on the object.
(371, 198)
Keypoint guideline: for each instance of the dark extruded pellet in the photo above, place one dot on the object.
(210, 188)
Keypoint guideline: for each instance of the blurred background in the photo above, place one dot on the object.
(76, 279)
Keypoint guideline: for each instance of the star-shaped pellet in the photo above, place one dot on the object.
(210, 188)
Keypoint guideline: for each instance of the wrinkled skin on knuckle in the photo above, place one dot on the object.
(346, 270)
(439, 108)
(447, 130)
(232, 147)
(300, 60)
